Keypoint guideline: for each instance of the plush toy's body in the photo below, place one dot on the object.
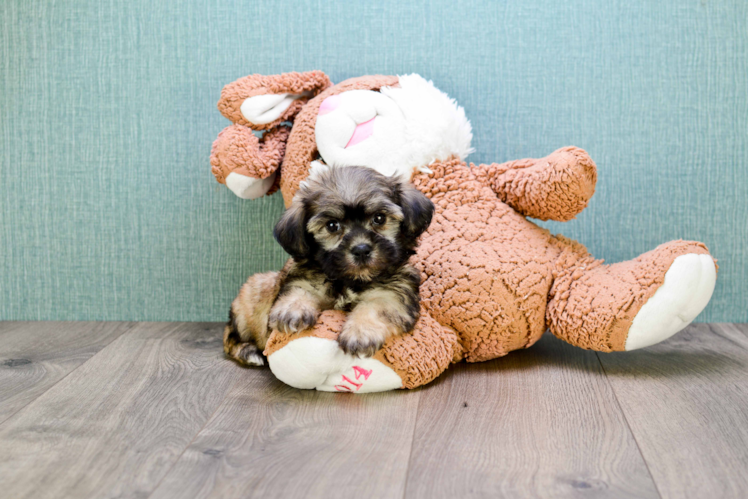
(492, 280)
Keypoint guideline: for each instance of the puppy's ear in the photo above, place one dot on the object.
(417, 210)
(290, 232)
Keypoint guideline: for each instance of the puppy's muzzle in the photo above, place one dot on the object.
(361, 252)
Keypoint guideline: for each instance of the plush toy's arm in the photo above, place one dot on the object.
(246, 164)
(556, 187)
(312, 359)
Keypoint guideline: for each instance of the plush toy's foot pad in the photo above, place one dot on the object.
(688, 286)
(318, 363)
(249, 188)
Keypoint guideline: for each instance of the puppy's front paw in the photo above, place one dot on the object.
(292, 318)
(361, 339)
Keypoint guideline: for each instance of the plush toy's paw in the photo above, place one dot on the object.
(287, 317)
(249, 188)
(318, 363)
(247, 164)
(688, 286)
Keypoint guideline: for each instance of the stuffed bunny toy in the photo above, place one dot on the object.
(492, 281)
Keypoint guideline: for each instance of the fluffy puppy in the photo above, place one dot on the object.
(350, 232)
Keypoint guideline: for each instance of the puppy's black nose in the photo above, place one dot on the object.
(362, 250)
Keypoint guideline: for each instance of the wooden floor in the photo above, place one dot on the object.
(154, 410)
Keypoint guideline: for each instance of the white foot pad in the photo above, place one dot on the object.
(315, 363)
(688, 286)
(249, 188)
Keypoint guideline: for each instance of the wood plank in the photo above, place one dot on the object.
(537, 423)
(36, 355)
(118, 423)
(686, 401)
(270, 440)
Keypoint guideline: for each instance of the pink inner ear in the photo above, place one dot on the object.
(329, 105)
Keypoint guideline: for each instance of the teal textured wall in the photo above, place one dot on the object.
(107, 115)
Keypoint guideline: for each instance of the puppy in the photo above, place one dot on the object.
(350, 232)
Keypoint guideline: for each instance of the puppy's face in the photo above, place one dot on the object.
(354, 222)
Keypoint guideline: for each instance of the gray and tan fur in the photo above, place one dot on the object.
(350, 232)
(246, 332)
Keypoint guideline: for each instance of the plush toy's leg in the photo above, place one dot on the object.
(313, 360)
(633, 304)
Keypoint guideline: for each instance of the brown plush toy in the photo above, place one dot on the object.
(492, 281)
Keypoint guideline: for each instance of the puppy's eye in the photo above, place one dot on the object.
(379, 219)
(333, 226)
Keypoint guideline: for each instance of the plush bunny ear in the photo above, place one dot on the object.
(263, 102)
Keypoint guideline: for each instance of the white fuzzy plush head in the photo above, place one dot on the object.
(394, 131)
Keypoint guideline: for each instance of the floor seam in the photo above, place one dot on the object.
(628, 425)
(130, 325)
(412, 441)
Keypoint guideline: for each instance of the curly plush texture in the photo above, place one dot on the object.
(234, 94)
(422, 355)
(418, 357)
(238, 150)
(492, 280)
(484, 274)
(592, 305)
(556, 187)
